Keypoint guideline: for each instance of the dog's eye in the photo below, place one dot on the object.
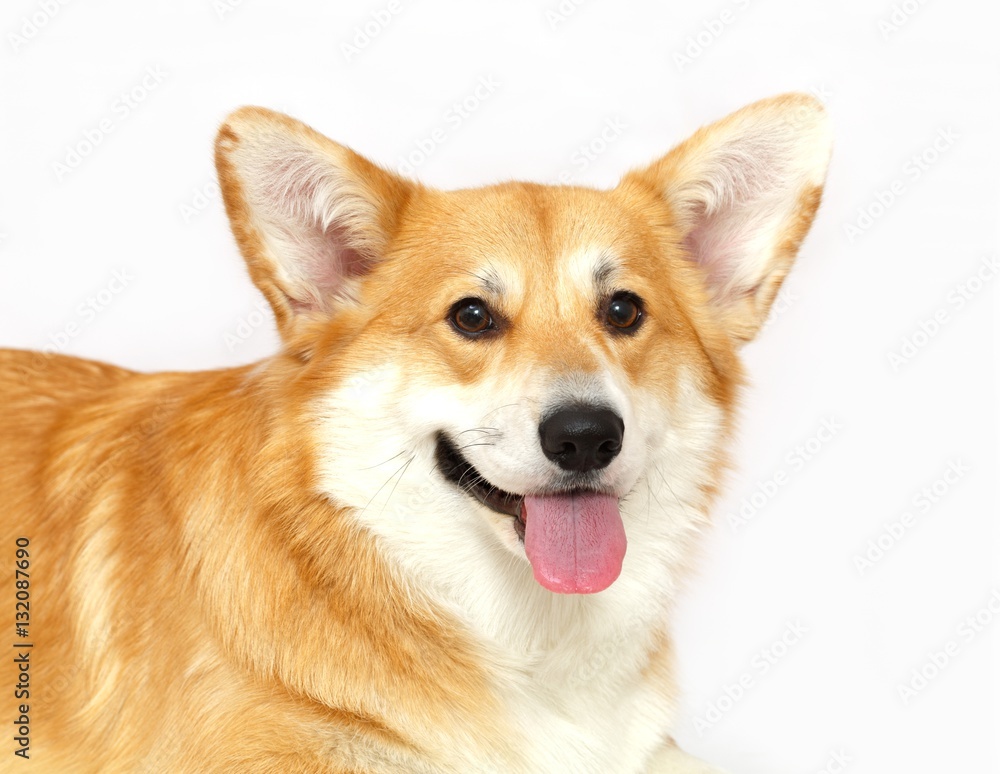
(624, 312)
(471, 316)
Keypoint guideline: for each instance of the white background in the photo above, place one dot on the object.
(895, 76)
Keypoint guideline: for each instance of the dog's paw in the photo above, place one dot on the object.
(673, 760)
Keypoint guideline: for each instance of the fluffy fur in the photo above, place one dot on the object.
(262, 569)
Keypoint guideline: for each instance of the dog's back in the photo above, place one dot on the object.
(43, 395)
(40, 390)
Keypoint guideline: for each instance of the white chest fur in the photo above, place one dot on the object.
(572, 671)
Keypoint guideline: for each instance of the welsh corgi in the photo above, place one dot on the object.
(443, 528)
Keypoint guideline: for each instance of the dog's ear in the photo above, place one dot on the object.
(310, 216)
(743, 192)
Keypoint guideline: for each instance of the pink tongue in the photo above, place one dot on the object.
(575, 542)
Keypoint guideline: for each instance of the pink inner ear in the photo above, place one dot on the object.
(352, 262)
(324, 260)
(299, 196)
(334, 260)
(715, 249)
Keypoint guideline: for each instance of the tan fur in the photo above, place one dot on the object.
(167, 576)
(198, 604)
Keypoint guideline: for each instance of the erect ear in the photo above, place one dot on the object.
(310, 216)
(743, 192)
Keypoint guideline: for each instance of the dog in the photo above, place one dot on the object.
(443, 528)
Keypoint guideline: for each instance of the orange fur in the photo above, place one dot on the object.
(179, 636)
(198, 602)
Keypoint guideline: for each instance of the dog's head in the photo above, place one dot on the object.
(543, 371)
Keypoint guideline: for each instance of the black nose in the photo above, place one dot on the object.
(582, 438)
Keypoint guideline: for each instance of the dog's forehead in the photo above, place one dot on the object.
(588, 270)
(517, 235)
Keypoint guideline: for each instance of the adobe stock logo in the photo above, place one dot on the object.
(121, 109)
(762, 662)
(913, 170)
(899, 17)
(461, 110)
(35, 23)
(366, 32)
(88, 310)
(712, 29)
(247, 325)
(587, 153)
(225, 7)
(561, 13)
(207, 194)
(958, 297)
(923, 501)
(836, 762)
(795, 461)
(939, 660)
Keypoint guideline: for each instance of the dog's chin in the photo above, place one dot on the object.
(459, 471)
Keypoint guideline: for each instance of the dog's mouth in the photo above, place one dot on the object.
(574, 540)
(462, 474)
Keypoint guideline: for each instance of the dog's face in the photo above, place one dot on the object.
(533, 371)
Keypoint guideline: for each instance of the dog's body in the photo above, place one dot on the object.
(400, 544)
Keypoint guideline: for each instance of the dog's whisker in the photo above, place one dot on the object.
(380, 464)
(392, 491)
(666, 483)
(485, 430)
(386, 482)
(476, 479)
(501, 408)
(478, 443)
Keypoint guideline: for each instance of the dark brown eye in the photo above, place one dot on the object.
(624, 312)
(471, 316)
